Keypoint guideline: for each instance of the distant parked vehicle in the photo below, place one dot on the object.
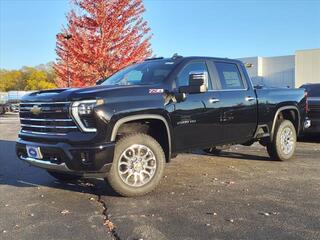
(313, 93)
(2, 109)
(14, 98)
(3, 101)
(14, 107)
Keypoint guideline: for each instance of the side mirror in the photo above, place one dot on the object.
(100, 81)
(198, 82)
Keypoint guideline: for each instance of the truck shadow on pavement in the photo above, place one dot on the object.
(235, 155)
(311, 138)
(14, 172)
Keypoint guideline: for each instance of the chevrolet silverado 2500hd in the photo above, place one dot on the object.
(128, 126)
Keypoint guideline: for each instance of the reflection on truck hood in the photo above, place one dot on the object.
(75, 94)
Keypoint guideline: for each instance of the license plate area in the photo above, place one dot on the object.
(34, 152)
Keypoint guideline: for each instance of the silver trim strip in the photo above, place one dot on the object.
(51, 127)
(228, 90)
(47, 120)
(42, 133)
(214, 100)
(47, 103)
(249, 99)
(46, 164)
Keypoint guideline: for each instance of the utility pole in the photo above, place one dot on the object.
(67, 37)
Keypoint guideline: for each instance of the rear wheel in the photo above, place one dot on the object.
(138, 165)
(283, 145)
(64, 177)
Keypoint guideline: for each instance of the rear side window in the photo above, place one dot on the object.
(229, 76)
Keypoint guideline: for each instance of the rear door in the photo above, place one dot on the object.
(238, 103)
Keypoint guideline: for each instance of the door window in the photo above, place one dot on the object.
(229, 75)
(183, 76)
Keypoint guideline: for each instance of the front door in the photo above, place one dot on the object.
(196, 123)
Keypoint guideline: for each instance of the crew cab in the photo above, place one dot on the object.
(131, 124)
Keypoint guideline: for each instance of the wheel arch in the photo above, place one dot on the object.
(287, 112)
(132, 118)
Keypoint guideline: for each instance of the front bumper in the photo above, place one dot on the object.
(63, 157)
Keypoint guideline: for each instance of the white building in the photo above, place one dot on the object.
(285, 71)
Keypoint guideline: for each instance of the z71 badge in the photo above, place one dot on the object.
(155, 90)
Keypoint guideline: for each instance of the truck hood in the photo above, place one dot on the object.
(76, 94)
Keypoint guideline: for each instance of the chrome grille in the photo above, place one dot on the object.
(46, 118)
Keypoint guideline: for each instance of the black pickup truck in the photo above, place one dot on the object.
(128, 126)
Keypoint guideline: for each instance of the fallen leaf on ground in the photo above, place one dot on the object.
(268, 213)
(230, 182)
(109, 225)
(212, 213)
(65, 211)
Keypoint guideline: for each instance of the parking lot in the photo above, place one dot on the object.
(240, 194)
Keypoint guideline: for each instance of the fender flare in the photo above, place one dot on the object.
(140, 117)
(291, 107)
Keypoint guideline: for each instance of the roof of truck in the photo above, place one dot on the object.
(180, 58)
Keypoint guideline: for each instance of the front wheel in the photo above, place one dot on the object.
(138, 165)
(283, 145)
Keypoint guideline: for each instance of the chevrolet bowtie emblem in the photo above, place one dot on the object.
(35, 110)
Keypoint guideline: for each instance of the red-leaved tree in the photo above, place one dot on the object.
(102, 37)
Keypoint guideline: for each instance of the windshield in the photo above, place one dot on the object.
(313, 90)
(145, 73)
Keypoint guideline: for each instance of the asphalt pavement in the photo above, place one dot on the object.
(240, 194)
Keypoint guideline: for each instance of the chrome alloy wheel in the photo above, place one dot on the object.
(287, 140)
(137, 165)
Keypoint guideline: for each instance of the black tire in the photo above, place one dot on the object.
(274, 147)
(64, 177)
(114, 178)
(212, 151)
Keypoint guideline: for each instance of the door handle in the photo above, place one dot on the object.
(249, 99)
(214, 100)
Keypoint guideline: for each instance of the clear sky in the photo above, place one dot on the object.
(213, 28)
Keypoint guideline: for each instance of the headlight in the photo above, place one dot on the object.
(86, 108)
(83, 109)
